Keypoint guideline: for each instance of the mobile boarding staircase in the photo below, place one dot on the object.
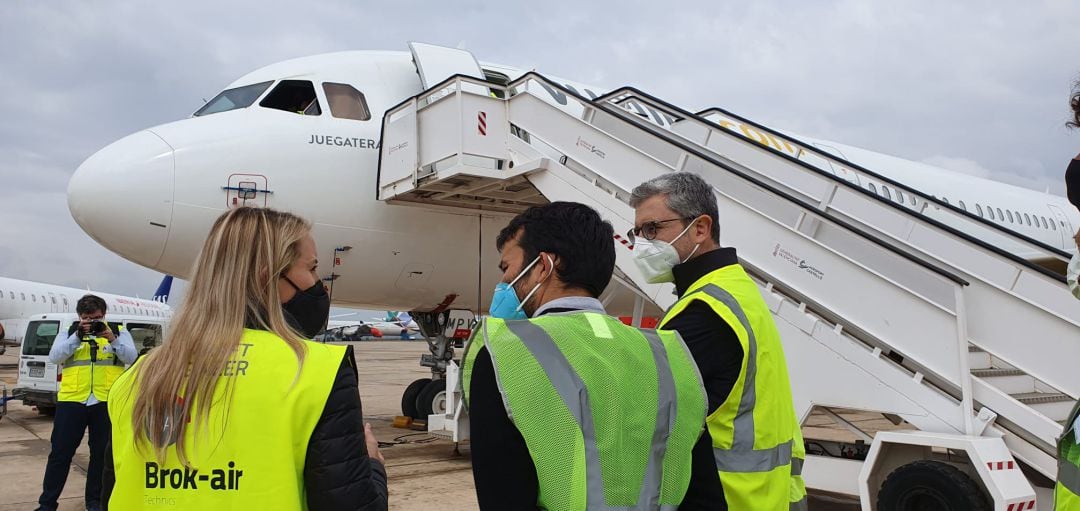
(880, 307)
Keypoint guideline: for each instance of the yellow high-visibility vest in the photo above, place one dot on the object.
(251, 453)
(609, 413)
(756, 438)
(82, 375)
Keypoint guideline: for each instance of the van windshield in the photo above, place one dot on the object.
(39, 337)
(145, 336)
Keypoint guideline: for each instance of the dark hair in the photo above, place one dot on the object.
(90, 303)
(1074, 102)
(575, 232)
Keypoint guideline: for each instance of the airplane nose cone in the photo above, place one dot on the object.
(122, 196)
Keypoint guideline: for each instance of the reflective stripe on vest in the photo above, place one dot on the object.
(78, 363)
(251, 452)
(752, 476)
(573, 392)
(743, 457)
(80, 375)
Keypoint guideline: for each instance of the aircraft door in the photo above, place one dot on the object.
(437, 63)
(1065, 228)
(837, 169)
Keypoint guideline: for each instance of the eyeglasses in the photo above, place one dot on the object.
(648, 230)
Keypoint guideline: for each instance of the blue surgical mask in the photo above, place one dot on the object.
(505, 303)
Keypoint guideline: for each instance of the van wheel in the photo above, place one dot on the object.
(432, 400)
(408, 398)
(930, 485)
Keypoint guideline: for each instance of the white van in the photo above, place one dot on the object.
(39, 379)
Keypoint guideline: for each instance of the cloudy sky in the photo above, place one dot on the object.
(975, 88)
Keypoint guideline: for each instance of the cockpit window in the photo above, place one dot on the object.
(297, 96)
(346, 102)
(231, 99)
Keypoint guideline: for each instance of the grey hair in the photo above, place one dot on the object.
(685, 193)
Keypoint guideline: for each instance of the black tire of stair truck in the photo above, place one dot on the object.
(426, 400)
(931, 485)
(408, 398)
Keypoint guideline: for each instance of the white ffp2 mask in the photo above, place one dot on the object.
(656, 258)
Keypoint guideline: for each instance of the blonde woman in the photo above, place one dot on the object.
(236, 410)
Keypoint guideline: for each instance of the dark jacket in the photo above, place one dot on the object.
(338, 474)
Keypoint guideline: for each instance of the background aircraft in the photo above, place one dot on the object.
(20, 299)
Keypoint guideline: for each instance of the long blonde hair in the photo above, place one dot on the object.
(234, 282)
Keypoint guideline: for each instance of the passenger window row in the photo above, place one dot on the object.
(1013, 217)
(126, 309)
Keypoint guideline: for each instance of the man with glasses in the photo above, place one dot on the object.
(752, 456)
(94, 355)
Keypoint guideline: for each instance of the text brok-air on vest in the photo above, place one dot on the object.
(609, 413)
(251, 454)
(82, 375)
(1067, 489)
(756, 438)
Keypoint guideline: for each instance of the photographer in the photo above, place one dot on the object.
(94, 356)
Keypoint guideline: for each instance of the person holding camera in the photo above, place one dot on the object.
(93, 355)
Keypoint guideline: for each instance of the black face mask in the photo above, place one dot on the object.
(309, 307)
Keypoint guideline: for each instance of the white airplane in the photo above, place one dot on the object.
(20, 299)
(303, 135)
(394, 324)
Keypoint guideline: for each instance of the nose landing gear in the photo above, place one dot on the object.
(443, 332)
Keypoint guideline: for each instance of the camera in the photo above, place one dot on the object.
(95, 327)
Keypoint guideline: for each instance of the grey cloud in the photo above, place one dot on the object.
(931, 81)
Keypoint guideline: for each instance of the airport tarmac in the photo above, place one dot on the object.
(424, 472)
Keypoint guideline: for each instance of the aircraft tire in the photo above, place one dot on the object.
(432, 399)
(409, 398)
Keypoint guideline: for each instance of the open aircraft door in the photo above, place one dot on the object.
(437, 63)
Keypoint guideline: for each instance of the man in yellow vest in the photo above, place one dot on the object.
(752, 457)
(573, 410)
(93, 355)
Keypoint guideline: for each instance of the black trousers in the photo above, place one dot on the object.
(69, 425)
